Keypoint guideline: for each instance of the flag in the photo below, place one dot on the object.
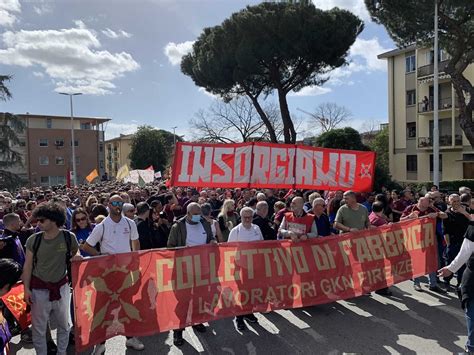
(150, 168)
(93, 174)
(122, 172)
(141, 182)
(158, 175)
(68, 178)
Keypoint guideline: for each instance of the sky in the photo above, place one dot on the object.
(124, 56)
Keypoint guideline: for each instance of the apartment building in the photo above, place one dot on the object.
(410, 105)
(46, 148)
(117, 152)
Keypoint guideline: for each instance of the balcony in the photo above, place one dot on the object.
(445, 103)
(427, 70)
(444, 141)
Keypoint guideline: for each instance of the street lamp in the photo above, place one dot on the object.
(74, 175)
(174, 136)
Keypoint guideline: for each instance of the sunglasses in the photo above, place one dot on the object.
(116, 203)
(81, 219)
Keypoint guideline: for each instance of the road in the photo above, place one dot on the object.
(409, 322)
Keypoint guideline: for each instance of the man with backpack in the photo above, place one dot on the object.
(45, 276)
(115, 234)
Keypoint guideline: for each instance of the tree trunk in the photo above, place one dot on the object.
(464, 90)
(263, 116)
(288, 127)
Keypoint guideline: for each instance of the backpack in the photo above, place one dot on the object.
(68, 256)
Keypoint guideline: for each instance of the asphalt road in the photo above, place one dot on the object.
(409, 322)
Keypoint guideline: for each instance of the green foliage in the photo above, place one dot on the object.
(151, 146)
(282, 46)
(380, 145)
(341, 138)
(10, 127)
(450, 186)
(412, 21)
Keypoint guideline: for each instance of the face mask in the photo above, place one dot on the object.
(196, 218)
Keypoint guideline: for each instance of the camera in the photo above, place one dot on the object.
(162, 214)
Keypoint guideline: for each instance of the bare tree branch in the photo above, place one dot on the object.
(328, 116)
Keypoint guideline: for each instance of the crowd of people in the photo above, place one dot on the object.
(43, 229)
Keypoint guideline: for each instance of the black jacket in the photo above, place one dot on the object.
(266, 227)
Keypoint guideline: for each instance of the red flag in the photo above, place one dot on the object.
(150, 168)
(15, 302)
(68, 178)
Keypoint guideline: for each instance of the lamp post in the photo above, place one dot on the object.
(435, 102)
(174, 136)
(74, 175)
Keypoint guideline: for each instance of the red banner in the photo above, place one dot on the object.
(15, 302)
(142, 293)
(267, 165)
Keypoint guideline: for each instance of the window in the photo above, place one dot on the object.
(57, 180)
(85, 126)
(43, 142)
(59, 161)
(411, 130)
(440, 162)
(443, 55)
(44, 160)
(59, 142)
(44, 180)
(101, 147)
(76, 143)
(412, 163)
(101, 164)
(410, 63)
(411, 97)
(49, 123)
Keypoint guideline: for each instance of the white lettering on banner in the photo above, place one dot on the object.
(304, 167)
(347, 175)
(290, 178)
(328, 177)
(261, 161)
(242, 156)
(281, 166)
(202, 171)
(266, 165)
(218, 153)
(186, 151)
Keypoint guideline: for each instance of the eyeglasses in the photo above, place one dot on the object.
(116, 203)
(81, 219)
(41, 220)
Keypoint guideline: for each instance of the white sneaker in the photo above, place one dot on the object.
(135, 344)
(99, 349)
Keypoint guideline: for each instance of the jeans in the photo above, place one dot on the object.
(42, 310)
(432, 280)
(451, 251)
(469, 312)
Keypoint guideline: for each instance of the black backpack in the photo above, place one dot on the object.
(67, 239)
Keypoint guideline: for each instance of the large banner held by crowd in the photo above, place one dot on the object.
(267, 165)
(146, 292)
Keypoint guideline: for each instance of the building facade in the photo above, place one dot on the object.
(410, 105)
(46, 148)
(117, 151)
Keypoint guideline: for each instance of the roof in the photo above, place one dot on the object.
(121, 137)
(32, 115)
(397, 51)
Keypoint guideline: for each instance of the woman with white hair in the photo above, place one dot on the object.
(246, 231)
(227, 218)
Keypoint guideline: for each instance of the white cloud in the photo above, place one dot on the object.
(44, 7)
(311, 91)
(113, 130)
(355, 6)
(176, 51)
(8, 11)
(368, 49)
(38, 74)
(71, 57)
(114, 35)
